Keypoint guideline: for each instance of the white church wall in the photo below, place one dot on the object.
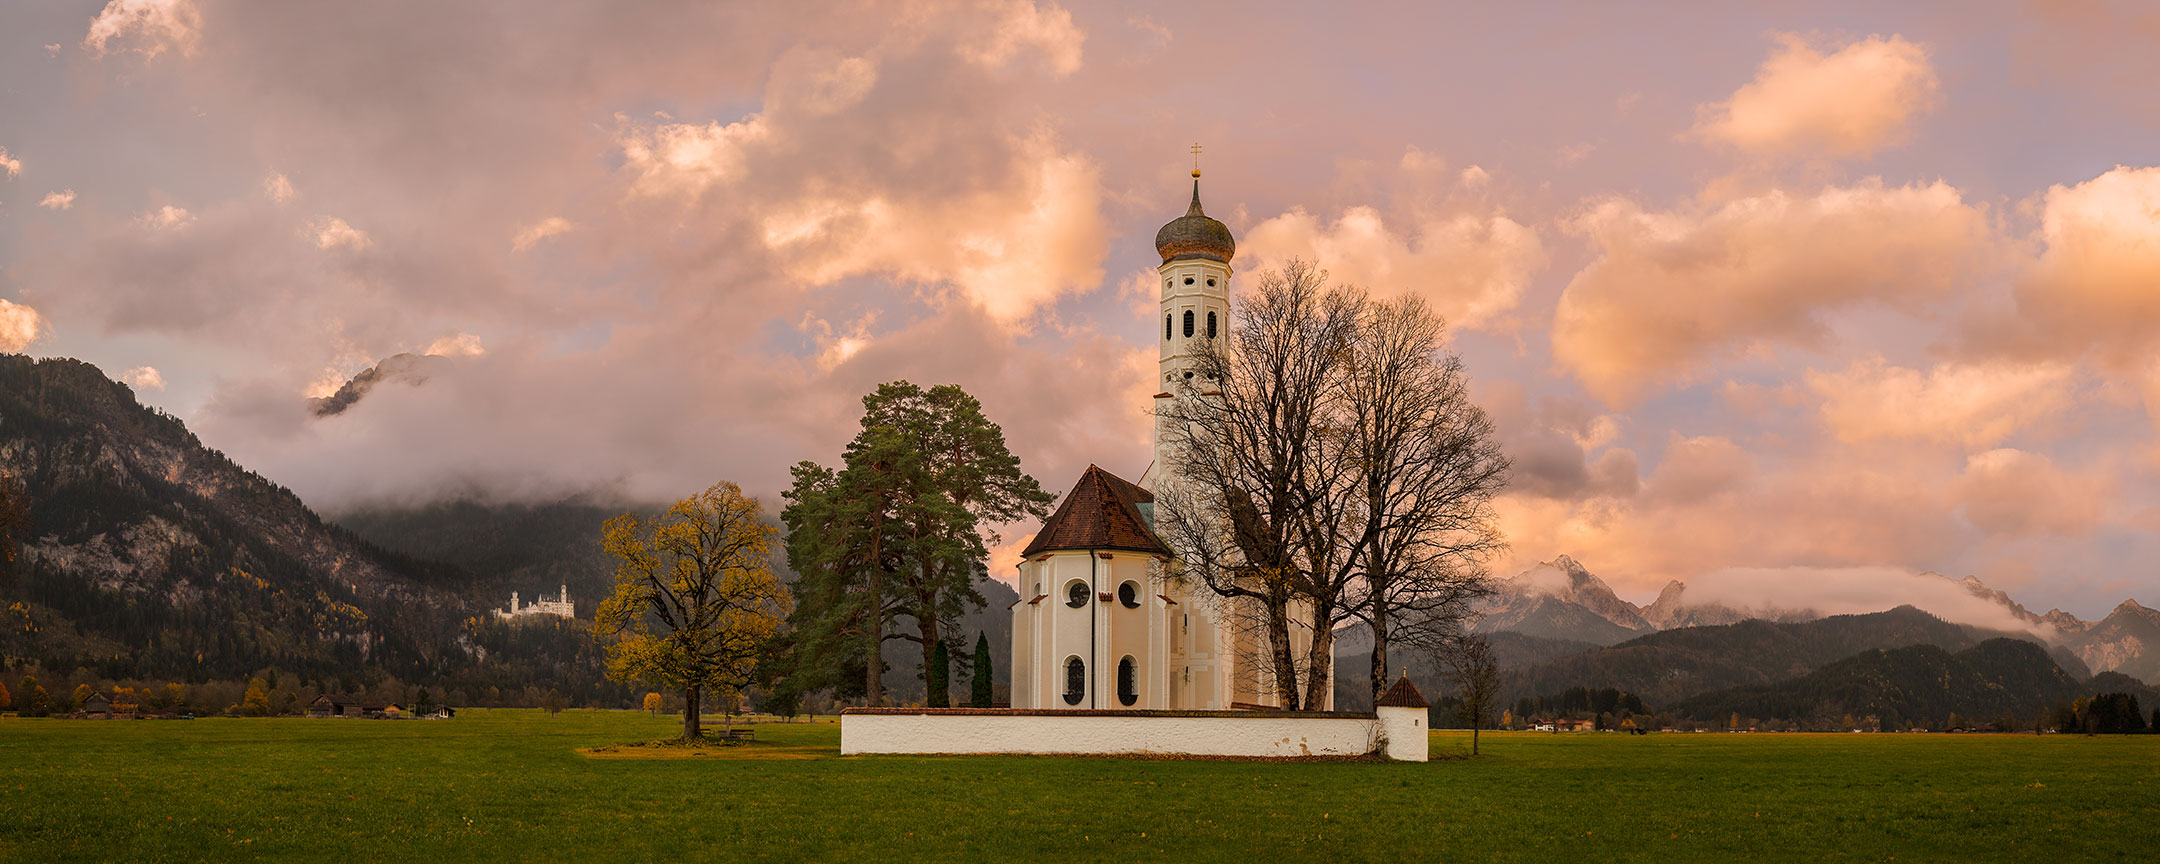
(1250, 734)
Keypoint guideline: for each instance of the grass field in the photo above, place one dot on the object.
(512, 786)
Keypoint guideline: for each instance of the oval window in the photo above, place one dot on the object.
(1210, 283)
(1129, 594)
(1076, 594)
(1075, 680)
(1188, 280)
(1128, 681)
(1188, 323)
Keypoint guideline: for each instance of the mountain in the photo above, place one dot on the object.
(1671, 610)
(2126, 641)
(407, 369)
(150, 554)
(1675, 664)
(1896, 687)
(500, 547)
(1560, 599)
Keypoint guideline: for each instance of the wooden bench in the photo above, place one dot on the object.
(738, 735)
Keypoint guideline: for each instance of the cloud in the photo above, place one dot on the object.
(1851, 591)
(532, 234)
(147, 27)
(1023, 29)
(9, 165)
(20, 326)
(278, 188)
(2017, 493)
(1970, 405)
(456, 345)
(330, 232)
(1559, 446)
(2090, 292)
(1472, 267)
(166, 218)
(144, 378)
(60, 200)
(1673, 290)
(1852, 102)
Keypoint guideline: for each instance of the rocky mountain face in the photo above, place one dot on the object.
(1561, 599)
(148, 551)
(408, 369)
(2126, 641)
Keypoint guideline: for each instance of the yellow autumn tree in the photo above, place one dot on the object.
(652, 703)
(695, 596)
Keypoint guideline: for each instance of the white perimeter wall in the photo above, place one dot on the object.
(1256, 734)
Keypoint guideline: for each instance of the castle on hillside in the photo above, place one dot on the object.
(560, 607)
(1105, 620)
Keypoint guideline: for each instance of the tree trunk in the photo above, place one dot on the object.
(1379, 646)
(1319, 662)
(1473, 738)
(1278, 626)
(874, 655)
(690, 728)
(928, 627)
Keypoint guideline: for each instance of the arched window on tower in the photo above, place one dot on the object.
(1210, 325)
(1128, 681)
(1075, 680)
(1166, 328)
(1188, 323)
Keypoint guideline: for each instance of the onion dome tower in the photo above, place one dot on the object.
(1196, 250)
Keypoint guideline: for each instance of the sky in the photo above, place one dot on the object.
(1758, 294)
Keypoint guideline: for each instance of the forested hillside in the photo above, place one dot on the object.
(2010, 679)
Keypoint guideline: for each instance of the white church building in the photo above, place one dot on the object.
(1105, 620)
(1113, 649)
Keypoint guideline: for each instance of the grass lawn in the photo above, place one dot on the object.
(513, 786)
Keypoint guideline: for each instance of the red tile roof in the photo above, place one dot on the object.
(1403, 695)
(1101, 512)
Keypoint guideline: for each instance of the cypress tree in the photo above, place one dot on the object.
(981, 696)
(940, 677)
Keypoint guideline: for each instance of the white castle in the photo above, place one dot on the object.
(1105, 620)
(561, 606)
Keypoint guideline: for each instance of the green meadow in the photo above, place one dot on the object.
(524, 786)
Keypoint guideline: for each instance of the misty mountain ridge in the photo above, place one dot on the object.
(1562, 599)
(411, 370)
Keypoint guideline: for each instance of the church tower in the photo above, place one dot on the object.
(1196, 252)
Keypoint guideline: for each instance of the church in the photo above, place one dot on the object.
(1105, 621)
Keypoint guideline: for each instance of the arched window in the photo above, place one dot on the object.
(1188, 323)
(1128, 681)
(1210, 325)
(1128, 594)
(1075, 680)
(1166, 328)
(1076, 594)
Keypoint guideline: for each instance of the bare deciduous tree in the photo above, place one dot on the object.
(1240, 432)
(1327, 466)
(1475, 672)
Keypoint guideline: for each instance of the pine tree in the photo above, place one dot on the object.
(980, 694)
(940, 677)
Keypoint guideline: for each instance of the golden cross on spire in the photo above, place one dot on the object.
(1196, 160)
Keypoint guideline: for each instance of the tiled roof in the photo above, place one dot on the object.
(1403, 695)
(1101, 512)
